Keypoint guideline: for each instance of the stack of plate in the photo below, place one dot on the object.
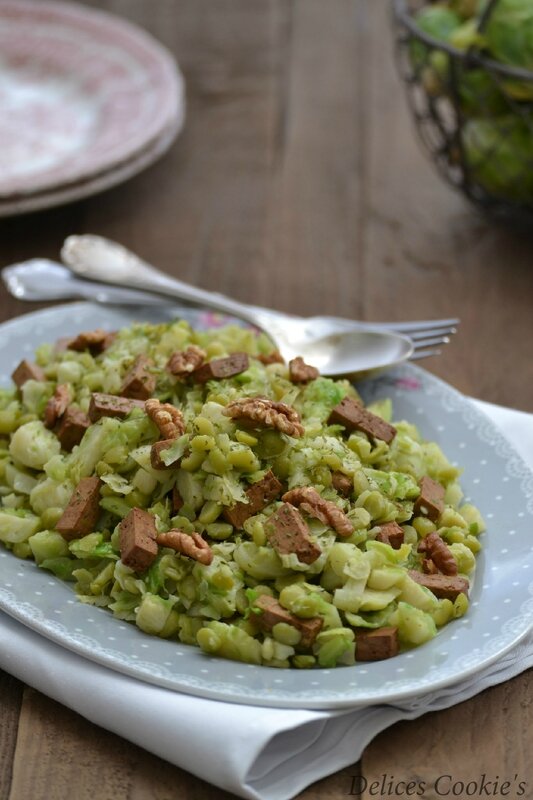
(88, 100)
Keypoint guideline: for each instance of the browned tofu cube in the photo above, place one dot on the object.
(81, 515)
(273, 613)
(260, 494)
(94, 341)
(26, 371)
(176, 500)
(137, 540)
(391, 533)
(71, 428)
(155, 455)
(139, 383)
(377, 644)
(354, 417)
(287, 532)
(111, 405)
(221, 368)
(430, 501)
(443, 586)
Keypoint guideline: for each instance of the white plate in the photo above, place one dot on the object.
(496, 479)
(100, 183)
(82, 92)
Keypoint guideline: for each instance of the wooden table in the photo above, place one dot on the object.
(297, 183)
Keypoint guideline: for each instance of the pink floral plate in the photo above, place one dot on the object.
(82, 92)
(69, 193)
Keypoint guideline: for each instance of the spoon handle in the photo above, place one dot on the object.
(99, 259)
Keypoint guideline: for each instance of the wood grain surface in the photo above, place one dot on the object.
(297, 183)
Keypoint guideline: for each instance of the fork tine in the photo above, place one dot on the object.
(426, 353)
(418, 336)
(430, 342)
(422, 325)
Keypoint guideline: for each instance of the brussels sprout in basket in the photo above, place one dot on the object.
(468, 66)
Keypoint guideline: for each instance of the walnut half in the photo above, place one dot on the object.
(267, 414)
(309, 500)
(168, 418)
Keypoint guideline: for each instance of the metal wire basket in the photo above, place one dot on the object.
(473, 114)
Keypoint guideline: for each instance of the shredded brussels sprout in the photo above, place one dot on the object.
(251, 591)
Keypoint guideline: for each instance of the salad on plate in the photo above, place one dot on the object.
(195, 485)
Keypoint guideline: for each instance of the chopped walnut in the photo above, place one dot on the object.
(96, 341)
(168, 418)
(274, 357)
(300, 372)
(188, 544)
(436, 550)
(428, 566)
(309, 500)
(57, 405)
(266, 413)
(183, 362)
(341, 483)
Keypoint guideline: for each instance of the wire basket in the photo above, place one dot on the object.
(474, 115)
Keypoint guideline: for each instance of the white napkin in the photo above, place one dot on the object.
(260, 753)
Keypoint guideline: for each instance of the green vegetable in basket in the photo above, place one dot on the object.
(477, 91)
(493, 109)
(480, 93)
(466, 8)
(509, 33)
(438, 22)
(509, 38)
(467, 35)
(500, 156)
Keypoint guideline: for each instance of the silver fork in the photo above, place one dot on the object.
(426, 335)
(100, 259)
(40, 279)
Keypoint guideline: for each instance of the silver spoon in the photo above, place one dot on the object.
(336, 352)
(40, 279)
(44, 280)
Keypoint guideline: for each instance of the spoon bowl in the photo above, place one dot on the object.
(358, 354)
